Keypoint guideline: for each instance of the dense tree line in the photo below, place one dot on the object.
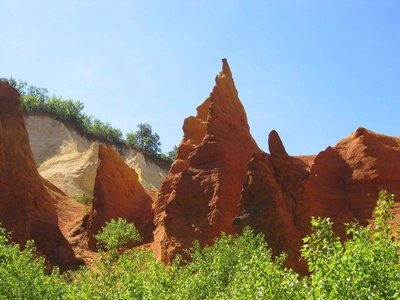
(366, 266)
(35, 99)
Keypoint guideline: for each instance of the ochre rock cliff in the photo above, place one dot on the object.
(220, 181)
(281, 193)
(200, 196)
(269, 202)
(26, 208)
(345, 180)
(118, 194)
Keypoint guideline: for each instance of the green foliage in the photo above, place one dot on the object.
(144, 139)
(23, 274)
(35, 99)
(240, 267)
(83, 198)
(171, 156)
(131, 140)
(133, 275)
(363, 267)
(366, 266)
(173, 153)
(117, 234)
(163, 156)
(25, 90)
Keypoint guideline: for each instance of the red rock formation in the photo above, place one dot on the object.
(345, 180)
(281, 193)
(274, 202)
(199, 198)
(118, 194)
(26, 208)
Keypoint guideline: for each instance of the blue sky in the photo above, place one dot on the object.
(312, 70)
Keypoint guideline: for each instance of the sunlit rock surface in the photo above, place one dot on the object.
(200, 196)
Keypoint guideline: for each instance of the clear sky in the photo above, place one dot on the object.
(312, 70)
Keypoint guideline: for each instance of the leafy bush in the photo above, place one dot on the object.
(23, 274)
(83, 198)
(35, 99)
(131, 275)
(363, 267)
(366, 266)
(240, 267)
(116, 234)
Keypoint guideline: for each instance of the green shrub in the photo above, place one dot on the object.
(130, 275)
(83, 198)
(35, 99)
(240, 267)
(363, 267)
(23, 274)
(117, 234)
(366, 266)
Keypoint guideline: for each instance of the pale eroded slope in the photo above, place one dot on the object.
(69, 160)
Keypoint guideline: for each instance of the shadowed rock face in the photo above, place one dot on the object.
(345, 180)
(200, 196)
(269, 202)
(281, 193)
(26, 208)
(118, 194)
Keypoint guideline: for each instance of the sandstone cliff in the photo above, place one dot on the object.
(69, 160)
(345, 180)
(200, 196)
(151, 172)
(274, 202)
(220, 181)
(26, 207)
(118, 194)
(281, 193)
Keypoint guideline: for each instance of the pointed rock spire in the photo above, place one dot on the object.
(118, 194)
(200, 196)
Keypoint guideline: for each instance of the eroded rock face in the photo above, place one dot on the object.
(151, 174)
(26, 208)
(281, 193)
(118, 194)
(69, 160)
(48, 136)
(345, 180)
(199, 198)
(62, 156)
(269, 202)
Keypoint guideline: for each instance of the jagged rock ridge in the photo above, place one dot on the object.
(281, 193)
